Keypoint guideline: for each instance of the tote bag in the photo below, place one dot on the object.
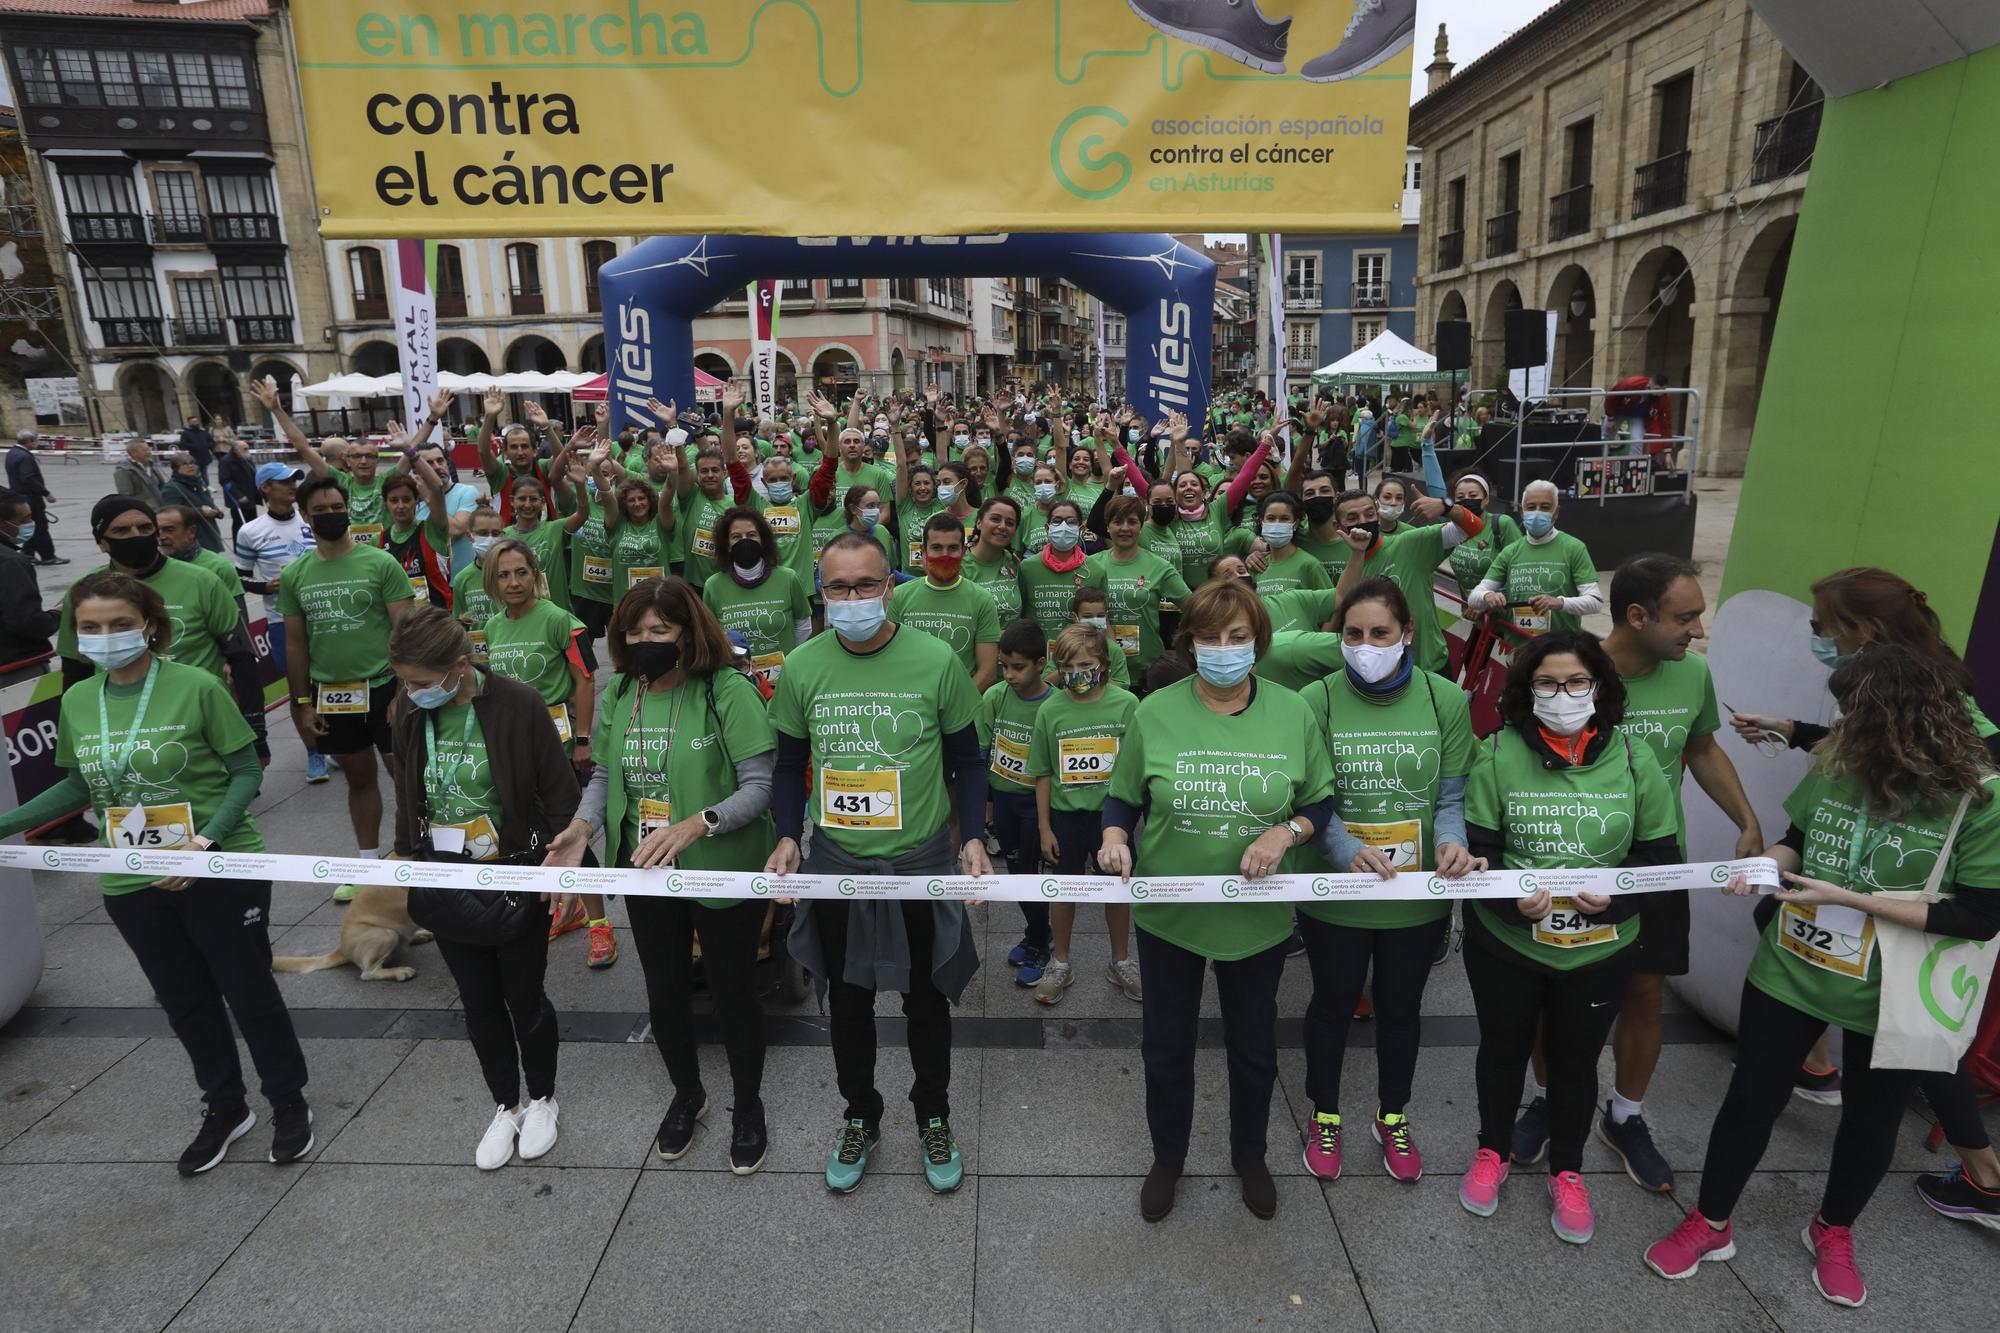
(1933, 986)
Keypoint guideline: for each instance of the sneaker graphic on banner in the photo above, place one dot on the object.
(1376, 34)
(1236, 28)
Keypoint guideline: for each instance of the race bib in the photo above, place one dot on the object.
(862, 801)
(702, 545)
(343, 698)
(150, 828)
(1803, 933)
(1402, 841)
(420, 588)
(559, 714)
(1083, 760)
(369, 534)
(639, 573)
(784, 521)
(476, 839)
(1010, 759)
(1528, 620)
(478, 637)
(1126, 637)
(654, 815)
(767, 667)
(1565, 927)
(542, 586)
(596, 569)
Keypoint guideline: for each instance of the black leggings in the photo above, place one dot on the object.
(500, 987)
(1772, 1038)
(663, 930)
(1574, 1010)
(594, 615)
(1340, 958)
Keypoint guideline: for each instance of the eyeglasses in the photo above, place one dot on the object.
(850, 592)
(1576, 687)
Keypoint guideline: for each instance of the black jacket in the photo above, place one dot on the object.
(25, 628)
(532, 777)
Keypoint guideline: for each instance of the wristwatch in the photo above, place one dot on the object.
(712, 821)
(1298, 831)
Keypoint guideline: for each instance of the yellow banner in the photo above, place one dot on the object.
(852, 117)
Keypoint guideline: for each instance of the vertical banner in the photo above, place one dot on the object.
(1274, 289)
(416, 329)
(764, 344)
(1103, 375)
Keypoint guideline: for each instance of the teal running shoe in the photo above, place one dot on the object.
(850, 1156)
(943, 1167)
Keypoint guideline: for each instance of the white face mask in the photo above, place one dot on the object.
(1390, 513)
(1564, 715)
(1372, 663)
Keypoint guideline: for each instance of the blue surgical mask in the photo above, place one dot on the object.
(26, 534)
(1131, 437)
(947, 495)
(857, 622)
(1130, 489)
(112, 650)
(1045, 491)
(1064, 536)
(1536, 523)
(433, 696)
(779, 491)
(1024, 465)
(961, 440)
(870, 517)
(1224, 666)
(1277, 534)
(481, 545)
(1829, 652)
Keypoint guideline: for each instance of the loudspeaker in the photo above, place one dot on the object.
(1454, 344)
(1527, 338)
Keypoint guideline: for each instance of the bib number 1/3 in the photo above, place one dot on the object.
(149, 828)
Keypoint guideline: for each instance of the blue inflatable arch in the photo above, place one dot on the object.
(653, 292)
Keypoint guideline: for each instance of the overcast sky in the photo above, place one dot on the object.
(1474, 26)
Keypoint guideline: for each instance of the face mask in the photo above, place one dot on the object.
(330, 527)
(857, 622)
(1566, 716)
(1080, 680)
(1473, 503)
(1096, 622)
(1223, 667)
(985, 442)
(870, 517)
(1131, 437)
(1064, 536)
(960, 441)
(1828, 653)
(1372, 663)
(1374, 531)
(1538, 524)
(746, 553)
(481, 545)
(1132, 490)
(947, 495)
(779, 491)
(1024, 465)
(431, 697)
(1163, 513)
(653, 659)
(1319, 508)
(133, 552)
(1045, 491)
(1277, 534)
(1389, 513)
(944, 568)
(112, 650)
(26, 534)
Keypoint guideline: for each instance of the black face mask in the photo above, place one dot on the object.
(746, 553)
(1163, 513)
(1374, 531)
(1475, 504)
(1319, 508)
(134, 552)
(652, 660)
(330, 527)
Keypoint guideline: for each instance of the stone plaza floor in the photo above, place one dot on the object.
(389, 1225)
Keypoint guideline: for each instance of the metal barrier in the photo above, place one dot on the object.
(1646, 443)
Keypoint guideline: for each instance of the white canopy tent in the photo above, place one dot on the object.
(1387, 359)
(390, 386)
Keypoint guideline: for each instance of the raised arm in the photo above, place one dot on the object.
(267, 394)
(493, 404)
(1240, 487)
(600, 467)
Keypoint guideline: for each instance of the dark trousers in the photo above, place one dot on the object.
(43, 546)
(1341, 957)
(1169, 1024)
(1955, 1102)
(926, 1017)
(1079, 833)
(1574, 1011)
(204, 948)
(506, 1009)
(663, 930)
(1772, 1038)
(1017, 828)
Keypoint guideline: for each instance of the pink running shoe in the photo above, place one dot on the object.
(1399, 1150)
(1322, 1138)
(1691, 1242)
(1479, 1187)
(1834, 1272)
(1569, 1208)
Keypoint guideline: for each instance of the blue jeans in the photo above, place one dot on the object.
(1017, 828)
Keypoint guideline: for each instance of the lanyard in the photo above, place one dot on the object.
(1859, 848)
(637, 719)
(115, 762)
(467, 735)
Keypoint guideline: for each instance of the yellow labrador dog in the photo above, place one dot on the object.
(377, 922)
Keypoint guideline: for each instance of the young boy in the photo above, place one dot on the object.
(1092, 607)
(1007, 727)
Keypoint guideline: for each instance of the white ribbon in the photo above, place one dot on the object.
(1410, 886)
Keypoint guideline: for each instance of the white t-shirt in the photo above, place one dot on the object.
(266, 544)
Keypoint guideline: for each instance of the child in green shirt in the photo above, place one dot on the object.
(1006, 726)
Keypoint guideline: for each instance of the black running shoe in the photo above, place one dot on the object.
(219, 1129)
(676, 1134)
(291, 1132)
(1957, 1197)
(748, 1141)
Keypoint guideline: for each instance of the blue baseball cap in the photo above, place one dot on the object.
(270, 472)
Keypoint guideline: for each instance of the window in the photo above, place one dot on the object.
(1371, 279)
(113, 291)
(1455, 205)
(198, 319)
(1510, 183)
(1416, 173)
(1114, 330)
(1673, 103)
(179, 204)
(79, 78)
(364, 273)
(450, 283)
(1367, 331)
(258, 289)
(524, 278)
(114, 78)
(156, 78)
(1000, 322)
(1579, 142)
(1302, 278)
(232, 82)
(242, 207)
(191, 78)
(903, 289)
(102, 207)
(1302, 340)
(844, 289)
(596, 254)
(795, 289)
(86, 76)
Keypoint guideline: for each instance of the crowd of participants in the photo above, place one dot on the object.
(924, 636)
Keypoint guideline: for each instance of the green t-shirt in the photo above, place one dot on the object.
(191, 723)
(1332, 556)
(876, 725)
(458, 777)
(697, 535)
(220, 565)
(469, 601)
(1411, 556)
(1006, 733)
(1667, 707)
(766, 616)
(364, 505)
(1085, 494)
(1556, 568)
(1390, 757)
(547, 539)
(962, 615)
(345, 603)
(877, 478)
(1571, 817)
(1163, 542)
(1471, 558)
(793, 533)
(200, 611)
(1210, 785)
(1290, 571)
(535, 649)
(592, 563)
(910, 519)
(1136, 589)
(1298, 657)
(1076, 744)
(1838, 977)
(662, 752)
(1048, 597)
(1002, 581)
(1202, 540)
(638, 551)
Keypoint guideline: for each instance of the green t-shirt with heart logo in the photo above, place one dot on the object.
(1210, 785)
(876, 725)
(1572, 817)
(1837, 977)
(1390, 757)
(1076, 746)
(591, 561)
(638, 545)
(1299, 657)
(962, 615)
(1290, 571)
(1007, 734)
(1047, 595)
(1555, 568)
(1002, 581)
(700, 542)
(766, 616)
(1136, 589)
(458, 776)
(201, 614)
(534, 649)
(1667, 707)
(793, 533)
(345, 603)
(191, 722)
(1471, 558)
(546, 539)
(469, 601)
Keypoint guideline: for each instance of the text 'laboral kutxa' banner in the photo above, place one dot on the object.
(807, 117)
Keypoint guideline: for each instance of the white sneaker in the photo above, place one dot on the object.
(1056, 977)
(496, 1146)
(538, 1127)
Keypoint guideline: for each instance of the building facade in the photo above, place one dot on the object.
(32, 329)
(1638, 168)
(1342, 292)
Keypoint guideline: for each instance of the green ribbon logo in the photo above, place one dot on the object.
(403, 873)
(760, 886)
(1229, 888)
(1049, 888)
(1088, 154)
(935, 888)
(1139, 889)
(846, 887)
(1964, 986)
